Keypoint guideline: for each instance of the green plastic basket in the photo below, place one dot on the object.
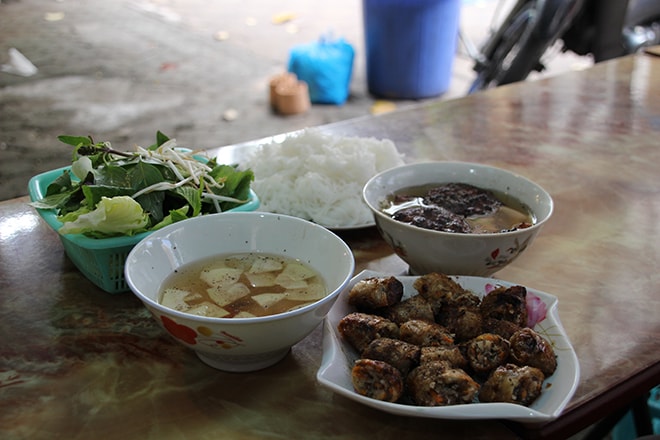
(100, 260)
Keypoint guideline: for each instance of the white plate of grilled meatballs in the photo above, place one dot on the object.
(450, 347)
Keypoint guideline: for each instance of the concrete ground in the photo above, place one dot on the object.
(197, 70)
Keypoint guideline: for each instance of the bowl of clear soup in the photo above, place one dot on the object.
(240, 289)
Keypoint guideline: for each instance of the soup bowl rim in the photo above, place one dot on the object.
(332, 291)
(381, 216)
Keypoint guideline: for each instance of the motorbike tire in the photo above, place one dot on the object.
(516, 55)
(642, 12)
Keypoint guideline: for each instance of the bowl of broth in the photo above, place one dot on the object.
(457, 218)
(240, 289)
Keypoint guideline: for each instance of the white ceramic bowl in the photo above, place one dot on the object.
(427, 250)
(239, 344)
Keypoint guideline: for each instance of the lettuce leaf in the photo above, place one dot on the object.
(114, 216)
(174, 216)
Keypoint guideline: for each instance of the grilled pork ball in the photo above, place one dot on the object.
(374, 293)
(424, 333)
(509, 304)
(415, 307)
(438, 384)
(530, 348)
(440, 290)
(359, 329)
(421, 349)
(486, 352)
(465, 322)
(453, 306)
(513, 384)
(377, 379)
(399, 354)
(506, 329)
(451, 354)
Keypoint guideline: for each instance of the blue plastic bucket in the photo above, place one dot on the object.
(410, 46)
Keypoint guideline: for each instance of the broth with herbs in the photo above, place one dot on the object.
(242, 285)
(458, 207)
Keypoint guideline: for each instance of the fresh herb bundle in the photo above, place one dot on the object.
(109, 193)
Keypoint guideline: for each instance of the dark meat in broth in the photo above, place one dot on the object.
(457, 208)
(432, 217)
(463, 199)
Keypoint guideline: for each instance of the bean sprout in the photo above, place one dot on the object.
(161, 186)
(187, 169)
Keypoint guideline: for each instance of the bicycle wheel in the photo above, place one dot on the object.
(515, 54)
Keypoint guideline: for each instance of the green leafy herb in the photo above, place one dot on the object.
(119, 215)
(169, 184)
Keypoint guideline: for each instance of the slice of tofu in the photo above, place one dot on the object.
(225, 295)
(266, 300)
(312, 292)
(176, 299)
(222, 276)
(265, 264)
(264, 279)
(295, 276)
(208, 309)
(290, 283)
(297, 271)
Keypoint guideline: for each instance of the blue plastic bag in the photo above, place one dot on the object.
(326, 66)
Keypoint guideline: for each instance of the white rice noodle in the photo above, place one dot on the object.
(319, 177)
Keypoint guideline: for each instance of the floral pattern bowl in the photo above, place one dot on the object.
(239, 344)
(454, 253)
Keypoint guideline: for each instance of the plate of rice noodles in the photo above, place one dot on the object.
(315, 175)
